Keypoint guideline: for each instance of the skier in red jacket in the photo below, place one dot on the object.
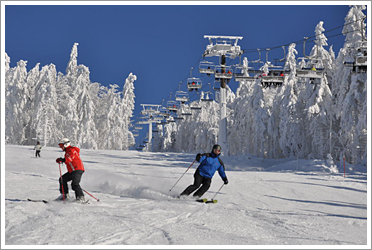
(75, 170)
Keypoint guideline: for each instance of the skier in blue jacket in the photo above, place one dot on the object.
(209, 164)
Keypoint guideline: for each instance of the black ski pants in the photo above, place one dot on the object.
(75, 177)
(37, 153)
(198, 180)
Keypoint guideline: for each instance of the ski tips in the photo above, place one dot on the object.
(205, 200)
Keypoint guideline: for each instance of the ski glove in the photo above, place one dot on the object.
(198, 156)
(225, 180)
(59, 160)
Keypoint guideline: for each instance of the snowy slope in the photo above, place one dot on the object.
(267, 202)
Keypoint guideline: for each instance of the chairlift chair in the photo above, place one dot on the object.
(360, 64)
(172, 106)
(194, 83)
(185, 110)
(208, 97)
(241, 74)
(195, 106)
(206, 67)
(178, 118)
(143, 120)
(274, 78)
(182, 96)
(307, 68)
(267, 81)
(223, 72)
(217, 85)
(170, 119)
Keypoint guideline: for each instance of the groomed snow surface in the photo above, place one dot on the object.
(267, 203)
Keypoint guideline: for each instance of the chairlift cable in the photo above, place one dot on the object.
(310, 37)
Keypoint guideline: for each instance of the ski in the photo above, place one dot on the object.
(45, 201)
(205, 200)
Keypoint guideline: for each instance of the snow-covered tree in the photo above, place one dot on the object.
(350, 91)
(49, 105)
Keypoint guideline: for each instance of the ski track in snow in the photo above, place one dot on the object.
(281, 207)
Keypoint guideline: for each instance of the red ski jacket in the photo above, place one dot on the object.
(72, 159)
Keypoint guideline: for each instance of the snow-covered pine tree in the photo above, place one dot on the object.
(86, 109)
(127, 107)
(17, 97)
(350, 92)
(33, 77)
(317, 98)
(49, 106)
(46, 117)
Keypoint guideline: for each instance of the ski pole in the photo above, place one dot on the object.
(61, 181)
(183, 175)
(91, 195)
(218, 191)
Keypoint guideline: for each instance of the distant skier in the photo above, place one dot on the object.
(38, 149)
(75, 169)
(209, 164)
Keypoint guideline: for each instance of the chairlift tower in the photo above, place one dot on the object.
(150, 112)
(223, 46)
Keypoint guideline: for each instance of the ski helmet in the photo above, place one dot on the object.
(65, 142)
(218, 147)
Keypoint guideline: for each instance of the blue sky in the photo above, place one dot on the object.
(158, 43)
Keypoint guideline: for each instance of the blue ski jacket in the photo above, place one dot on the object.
(209, 164)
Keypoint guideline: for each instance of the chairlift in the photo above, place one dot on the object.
(186, 113)
(258, 61)
(173, 106)
(143, 120)
(182, 96)
(360, 62)
(194, 83)
(283, 59)
(195, 106)
(307, 69)
(163, 111)
(185, 110)
(217, 86)
(178, 118)
(206, 67)
(170, 119)
(241, 74)
(273, 78)
(207, 97)
(223, 72)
